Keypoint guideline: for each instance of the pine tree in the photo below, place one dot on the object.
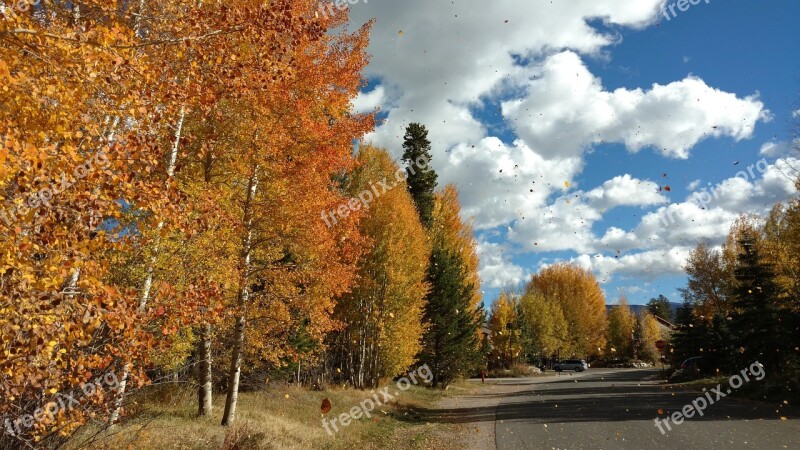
(757, 325)
(683, 339)
(421, 177)
(451, 341)
(660, 307)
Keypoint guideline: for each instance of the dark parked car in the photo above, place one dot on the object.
(694, 364)
(692, 368)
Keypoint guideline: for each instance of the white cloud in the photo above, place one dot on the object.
(566, 110)
(777, 149)
(796, 113)
(694, 185)
(564, 225)
(645, 265)
(707, 214)
(502, 183)
(625, 191)
(367, 102)
(497, 270)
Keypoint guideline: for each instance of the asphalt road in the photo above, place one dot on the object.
(615, 409)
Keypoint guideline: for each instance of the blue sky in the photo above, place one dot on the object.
(584, 159)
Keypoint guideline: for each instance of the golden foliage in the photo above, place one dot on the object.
(582, 301)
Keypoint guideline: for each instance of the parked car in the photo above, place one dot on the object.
(690, 369)
(694, 364)
(578, 365)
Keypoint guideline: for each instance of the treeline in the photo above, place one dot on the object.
(562, 314)
(742, 301)
(165, 171)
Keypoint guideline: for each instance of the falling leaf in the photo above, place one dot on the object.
(326, 406)
(660, 411)
(566, 184)
(667, 188)
(287, 395)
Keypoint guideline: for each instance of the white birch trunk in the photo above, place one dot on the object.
(235, 371)
(205, 385)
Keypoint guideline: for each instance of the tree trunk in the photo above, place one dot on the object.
(236, 357)
(204, 378)
(205, 383)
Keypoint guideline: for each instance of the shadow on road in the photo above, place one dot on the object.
(626, 398)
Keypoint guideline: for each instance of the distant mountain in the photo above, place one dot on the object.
(641, 308)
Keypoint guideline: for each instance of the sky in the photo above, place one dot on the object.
(613, 134)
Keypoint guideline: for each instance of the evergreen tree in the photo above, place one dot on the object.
(451, 342)
(421, 177)
(683, 340)
(757, 325)
(660, 307)
(721, 349)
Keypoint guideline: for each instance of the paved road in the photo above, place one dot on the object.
(615, 409)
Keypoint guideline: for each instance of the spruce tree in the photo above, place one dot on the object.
(451, 342)
(758, 326)
(683, 340)
(660, 307)
(421, 179)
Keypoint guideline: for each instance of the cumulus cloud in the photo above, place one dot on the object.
(566, 110)
(707, 214)
(497, 270)
(644, 265)
(502, 183)
(625, 191)
(777, 149)
(366, 102)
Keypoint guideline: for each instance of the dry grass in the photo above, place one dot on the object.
(281, 418)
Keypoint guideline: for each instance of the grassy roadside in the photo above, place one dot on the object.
(281, 418)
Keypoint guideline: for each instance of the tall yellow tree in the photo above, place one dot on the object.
(382, 315)
(582, 301)
(621, 327)
(543, 326)
(782, 245)
(650, 334)
(506, 335)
